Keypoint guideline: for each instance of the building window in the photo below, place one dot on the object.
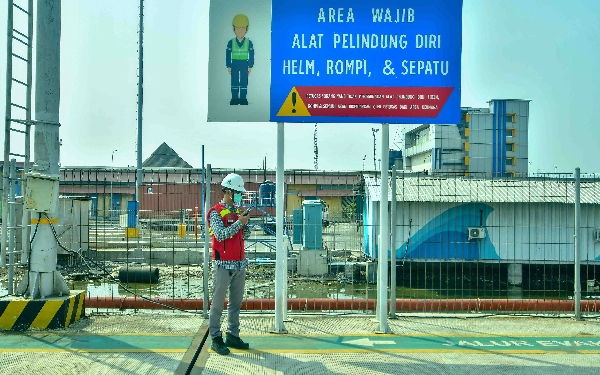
(511, 132)
(511, 146)
(511, 160)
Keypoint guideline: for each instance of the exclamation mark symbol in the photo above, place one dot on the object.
(294, 102)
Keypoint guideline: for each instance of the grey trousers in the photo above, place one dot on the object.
(222, 280)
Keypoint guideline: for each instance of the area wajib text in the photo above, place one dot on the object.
(365, 41)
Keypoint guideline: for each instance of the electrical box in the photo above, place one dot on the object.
(312, 223)
(297, 240)
(41, 192)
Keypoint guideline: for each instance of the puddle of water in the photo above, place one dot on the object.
(193, 288)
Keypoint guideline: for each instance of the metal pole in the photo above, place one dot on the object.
(203, 189)
(280, 300)
(206, 239)
(138, 180)
(385, 231)
(8, 114)
(577, 273)
(25, 222)
(112, 177)
(393, 247)
(11, 229)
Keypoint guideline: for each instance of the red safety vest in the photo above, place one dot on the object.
(233, 247)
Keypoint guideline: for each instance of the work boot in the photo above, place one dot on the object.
(243, 102)
(235, 342)
(219, 346)
(234, 102)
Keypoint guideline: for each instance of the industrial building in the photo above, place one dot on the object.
(488, 142)
(462, 220)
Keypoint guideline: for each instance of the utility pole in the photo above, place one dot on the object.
(112, 177)
(42, 279)
(139, 177)
(374, 149)
(316, 149)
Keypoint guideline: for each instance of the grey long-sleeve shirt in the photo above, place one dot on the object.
(222, 233)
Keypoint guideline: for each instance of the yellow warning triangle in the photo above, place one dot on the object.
(293, 105)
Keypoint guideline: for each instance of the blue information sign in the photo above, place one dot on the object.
(356, 61)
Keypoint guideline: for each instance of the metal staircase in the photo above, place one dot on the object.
(17, 133)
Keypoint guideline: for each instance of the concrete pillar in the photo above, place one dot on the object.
(43, 279)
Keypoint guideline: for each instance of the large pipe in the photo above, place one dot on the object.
(326, 304)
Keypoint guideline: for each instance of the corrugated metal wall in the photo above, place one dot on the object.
(528, 232)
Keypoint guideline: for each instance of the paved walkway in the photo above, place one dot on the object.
(315, 344)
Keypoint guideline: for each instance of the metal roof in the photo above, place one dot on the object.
(432, 189)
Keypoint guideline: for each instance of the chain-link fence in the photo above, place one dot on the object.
(460, 242)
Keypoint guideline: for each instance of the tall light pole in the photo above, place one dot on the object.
(112, 177)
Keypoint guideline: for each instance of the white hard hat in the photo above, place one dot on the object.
(233, 181)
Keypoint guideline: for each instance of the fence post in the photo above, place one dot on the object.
(577, 274)
(393, 248)
(206, 239)
(196, 220)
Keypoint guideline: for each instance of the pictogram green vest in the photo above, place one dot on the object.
(240, 53)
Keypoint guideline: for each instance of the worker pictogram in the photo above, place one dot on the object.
(293, 105)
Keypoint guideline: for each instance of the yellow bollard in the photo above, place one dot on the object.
(131, 232)
(181, 228)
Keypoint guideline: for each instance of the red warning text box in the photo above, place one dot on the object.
(340, 101)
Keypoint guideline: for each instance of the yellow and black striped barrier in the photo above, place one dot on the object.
(52, 313)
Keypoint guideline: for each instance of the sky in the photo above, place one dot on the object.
(546, 51)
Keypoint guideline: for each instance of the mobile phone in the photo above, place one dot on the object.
(246, 213)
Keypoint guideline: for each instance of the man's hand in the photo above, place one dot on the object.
(244, 219)
(229, 70)
(249, 70)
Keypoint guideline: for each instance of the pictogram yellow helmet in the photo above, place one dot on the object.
(241, 20)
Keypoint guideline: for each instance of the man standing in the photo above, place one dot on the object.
(228, 230)
(239, 59)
